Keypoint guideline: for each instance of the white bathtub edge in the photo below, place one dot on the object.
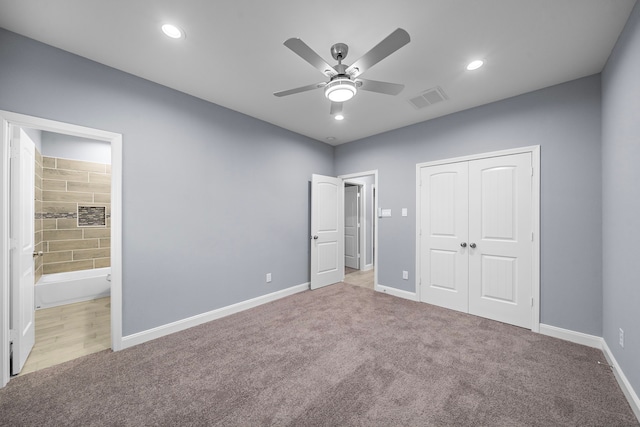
(69, 288)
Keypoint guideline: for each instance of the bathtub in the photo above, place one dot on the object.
(65, 288)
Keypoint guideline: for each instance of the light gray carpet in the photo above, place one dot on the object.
(338, 356)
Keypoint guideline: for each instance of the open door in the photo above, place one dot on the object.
(327, 231)
(22, 313)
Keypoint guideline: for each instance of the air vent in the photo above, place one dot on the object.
(429, 97)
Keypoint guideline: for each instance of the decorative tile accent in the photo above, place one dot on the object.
(56, 215)
(92, 216)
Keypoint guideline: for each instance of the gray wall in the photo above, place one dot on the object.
(621, 198)
(212, 199)
(565, 121)
(72, 147)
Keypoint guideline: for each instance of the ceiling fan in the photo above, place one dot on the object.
(344, 81)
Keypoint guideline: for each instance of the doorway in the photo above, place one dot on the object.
(72, 249)
(360, 229)
(11, 121)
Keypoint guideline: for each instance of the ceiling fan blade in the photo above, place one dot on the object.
(300, 89)
(386, 47)
(305, 52)
(336, 108)
(380, 87)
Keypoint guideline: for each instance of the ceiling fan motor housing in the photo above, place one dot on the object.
(339, 51)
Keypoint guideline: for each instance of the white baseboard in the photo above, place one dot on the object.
(601, 344)
(623, 382)
(568, 335)
(367, 267)
(397, 292)
(190, 322)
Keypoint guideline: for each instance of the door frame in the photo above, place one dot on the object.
(8, 119)
(374, 173)
(361, 220)
(534, 150)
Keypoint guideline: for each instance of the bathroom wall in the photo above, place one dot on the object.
(76, 215)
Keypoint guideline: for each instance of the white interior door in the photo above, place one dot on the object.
(500, 228)
(444, 230)
(327, 231)
(351, 226)
(22, 248)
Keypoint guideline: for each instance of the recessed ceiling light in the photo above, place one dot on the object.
(474, 65)
(339, 117)
(331, 138)
(172, 31)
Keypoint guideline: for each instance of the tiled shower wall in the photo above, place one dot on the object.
(38, 244)
(69, 187)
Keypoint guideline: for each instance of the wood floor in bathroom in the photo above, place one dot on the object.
(67, 332)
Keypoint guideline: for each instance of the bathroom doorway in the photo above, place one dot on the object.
(72, 254)
(90, 215)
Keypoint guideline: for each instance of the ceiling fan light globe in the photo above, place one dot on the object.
(340, 90)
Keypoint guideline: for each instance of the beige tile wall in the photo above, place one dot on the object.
(39, 244)
(65, 185)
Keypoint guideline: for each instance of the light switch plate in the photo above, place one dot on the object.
(404, 211)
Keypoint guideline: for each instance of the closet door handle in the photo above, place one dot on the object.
(463, 244)
(472, 245)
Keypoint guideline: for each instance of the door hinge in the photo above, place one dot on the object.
(531, 171)
(12, 335)
(532, 236)
(531, 302)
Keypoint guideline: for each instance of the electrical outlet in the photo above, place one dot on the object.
(621, 335)
(405, 274)
(268, 277)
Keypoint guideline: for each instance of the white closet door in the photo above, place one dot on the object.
(500, 227)
(444, 230)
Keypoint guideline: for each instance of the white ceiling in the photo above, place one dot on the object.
(233, 53)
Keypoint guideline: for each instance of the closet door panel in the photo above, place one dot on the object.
(444, 226)
(500, 227)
